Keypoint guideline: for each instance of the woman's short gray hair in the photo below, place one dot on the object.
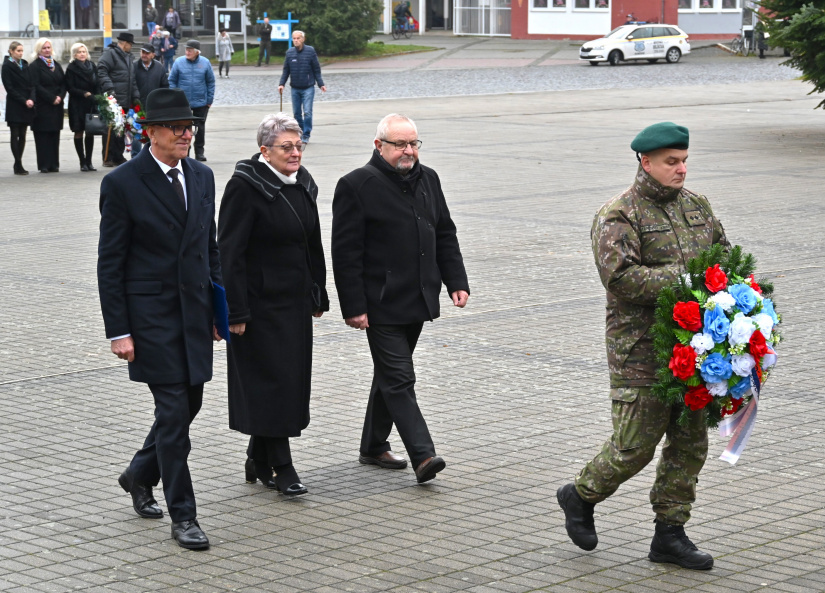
(275, 124)
(76, 47)
(38, 47)
(384, 125)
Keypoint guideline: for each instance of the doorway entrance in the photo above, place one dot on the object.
(482, 17)
(439, 14)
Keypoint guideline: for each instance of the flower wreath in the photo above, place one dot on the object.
(715, 328)
(111, 113)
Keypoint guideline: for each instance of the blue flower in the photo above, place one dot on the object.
(716, 368)
(716, 324)
(744, 296)
(767, 309)
(741, 388)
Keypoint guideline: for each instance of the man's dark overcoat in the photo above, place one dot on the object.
(268, 283)
(393, 245)
(155, 264)
(19, 89)
(48, 84)
(116, 70)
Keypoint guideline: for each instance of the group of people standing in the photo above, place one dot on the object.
(36, 93)
(35, 98)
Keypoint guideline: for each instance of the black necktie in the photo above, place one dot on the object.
(173, 173)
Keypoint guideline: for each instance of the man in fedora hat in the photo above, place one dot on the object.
(116, 70)
(149, 75)
(195, 76)
(157, 260)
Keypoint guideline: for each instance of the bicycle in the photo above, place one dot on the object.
(741, 46)
(400, 30)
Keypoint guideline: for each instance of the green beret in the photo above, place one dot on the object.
(662, 135)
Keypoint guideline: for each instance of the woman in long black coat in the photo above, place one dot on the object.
(273, 266)
(82, 84)
(19, 102)
(50, 88)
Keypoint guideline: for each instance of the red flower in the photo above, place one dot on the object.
(731, 408)
(758, 346)
(697, 397)
(683, 362)
(715, 279)
(687, 315)
(753, 284)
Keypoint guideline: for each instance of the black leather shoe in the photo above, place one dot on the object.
(200, 158)
(143, 502)
(427, 469)
(109, 164)
(45, 171)
(387, 459)
(84, 167)
(89, 166)
(288, 482)
(671, 544)
(189, 535)
(20, 171)
(255, 472)
(578, 517)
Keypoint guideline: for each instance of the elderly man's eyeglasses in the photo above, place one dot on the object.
(289, 147)
(180, 130)
(403, 144)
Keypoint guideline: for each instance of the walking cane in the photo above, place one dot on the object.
(281, 92)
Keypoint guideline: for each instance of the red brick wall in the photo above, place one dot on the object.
(645, 10)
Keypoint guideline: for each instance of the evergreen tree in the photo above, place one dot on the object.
(799, 27)
(331, 26)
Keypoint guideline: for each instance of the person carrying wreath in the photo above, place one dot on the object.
(20, 97)
(82, 84)
(642, 240)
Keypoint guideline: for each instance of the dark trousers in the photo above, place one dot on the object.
(392, 396)
(47, 146)
(269, 451)
(264, 48)
(200, 137)
(117, 144)
(167, 446)
(18, 143)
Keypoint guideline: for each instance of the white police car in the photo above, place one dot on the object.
(641, 41)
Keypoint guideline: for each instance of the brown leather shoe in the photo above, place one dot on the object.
(427, 469)
(387, 460)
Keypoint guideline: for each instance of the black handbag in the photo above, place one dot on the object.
(94, 124)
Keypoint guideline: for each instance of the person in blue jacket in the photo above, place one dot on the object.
(194, 75)
(301, 66)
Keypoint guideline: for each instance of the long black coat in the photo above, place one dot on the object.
(393, 244)
(19, 89)
(80, 81)
(155, 263)
(268, 283)
(48, 84)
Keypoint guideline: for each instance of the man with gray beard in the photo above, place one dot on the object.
(393, 244)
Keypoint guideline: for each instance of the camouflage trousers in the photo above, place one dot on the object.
(640, 421)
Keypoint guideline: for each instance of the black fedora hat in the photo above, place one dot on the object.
(163, 105)
(128, 37)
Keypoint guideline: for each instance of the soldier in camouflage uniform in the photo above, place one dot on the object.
(642, 240)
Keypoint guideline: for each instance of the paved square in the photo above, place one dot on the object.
(514, 387)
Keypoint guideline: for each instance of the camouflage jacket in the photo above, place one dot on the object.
(642, 240)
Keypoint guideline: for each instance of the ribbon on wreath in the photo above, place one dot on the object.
(740, 425)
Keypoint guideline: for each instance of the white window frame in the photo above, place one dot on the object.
(549, 7)
(592, 7)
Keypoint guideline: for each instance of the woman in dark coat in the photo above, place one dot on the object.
(19, 101)
(50, 88)
(82, 84)
(273, 266)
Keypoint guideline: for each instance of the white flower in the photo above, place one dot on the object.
(741, 329)
(742, 364)
(721, 299)
(765, 323)
(701, 343)
(687, 280)
(768, 360)
(717, 389)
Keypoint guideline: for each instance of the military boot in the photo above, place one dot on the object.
(671, 544)
(578, 517)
